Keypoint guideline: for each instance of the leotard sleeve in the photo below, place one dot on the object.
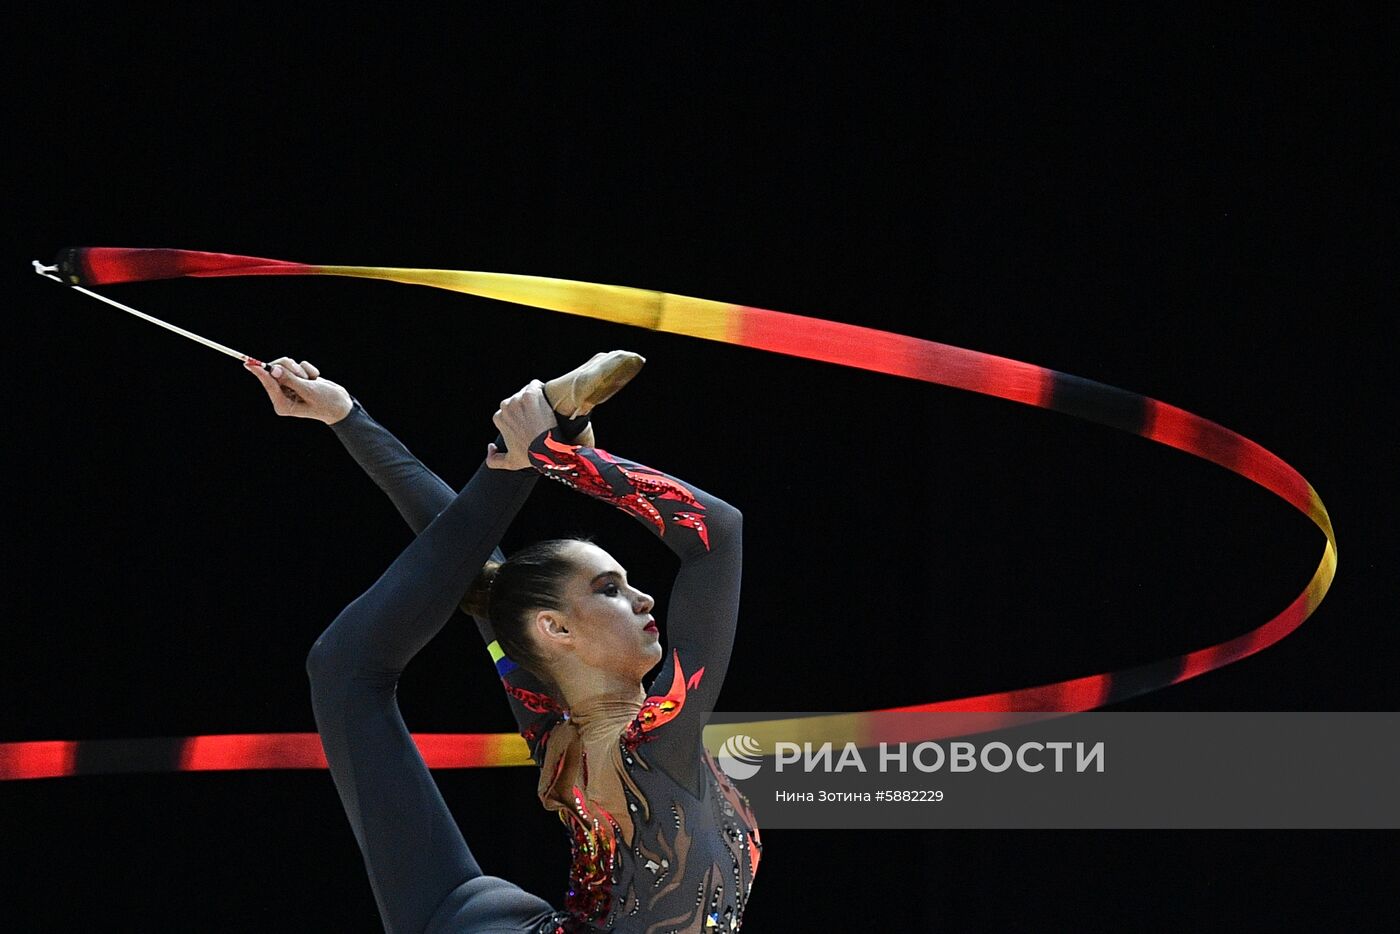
(419, 495)
(705, 533)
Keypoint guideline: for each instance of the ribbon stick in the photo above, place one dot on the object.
(47, 273)
(845, 345)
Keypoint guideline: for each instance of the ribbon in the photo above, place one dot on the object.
(799, 336)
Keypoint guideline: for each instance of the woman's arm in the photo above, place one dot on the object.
(387, 624)
(299, 390)
(705, 532)
(416, 492)
(419, 495)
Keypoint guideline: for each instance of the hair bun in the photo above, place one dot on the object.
(477, 602)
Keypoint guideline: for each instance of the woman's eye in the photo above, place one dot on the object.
(609, 590)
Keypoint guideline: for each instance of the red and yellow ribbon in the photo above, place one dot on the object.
(779, 332)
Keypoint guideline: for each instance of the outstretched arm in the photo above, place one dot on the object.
(705, 533)
(416, 492)
(297, 389)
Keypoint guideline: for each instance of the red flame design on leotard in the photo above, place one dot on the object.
(566, 464)
(593, 834)
(690, 520)
(533, 701)
(661, 709)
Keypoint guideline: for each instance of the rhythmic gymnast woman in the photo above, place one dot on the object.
(661, 840)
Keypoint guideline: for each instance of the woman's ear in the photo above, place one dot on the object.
(552, 626)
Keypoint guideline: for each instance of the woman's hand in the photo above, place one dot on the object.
(298, 389)
(521, 419)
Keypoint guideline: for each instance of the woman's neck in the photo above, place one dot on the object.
(586, 687)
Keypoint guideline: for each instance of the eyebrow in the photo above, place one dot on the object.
(606, 574)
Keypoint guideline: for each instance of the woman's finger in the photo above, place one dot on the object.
(287, 376)
(274, 389)
(310, 371)
(292, 366)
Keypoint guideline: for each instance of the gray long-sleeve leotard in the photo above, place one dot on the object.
(688, 862)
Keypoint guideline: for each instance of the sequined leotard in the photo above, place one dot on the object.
(661, 840)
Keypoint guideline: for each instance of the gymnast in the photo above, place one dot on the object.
(661, 841)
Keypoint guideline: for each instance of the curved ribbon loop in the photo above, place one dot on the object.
(846, 345)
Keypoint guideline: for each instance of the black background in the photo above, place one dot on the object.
(1182, 203)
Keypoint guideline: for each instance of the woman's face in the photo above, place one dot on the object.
(609, 619)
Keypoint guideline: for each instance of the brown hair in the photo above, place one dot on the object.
(509, 594)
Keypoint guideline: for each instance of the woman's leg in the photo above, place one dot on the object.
(417, 862)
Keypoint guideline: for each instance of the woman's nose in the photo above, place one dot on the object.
(644, 602)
